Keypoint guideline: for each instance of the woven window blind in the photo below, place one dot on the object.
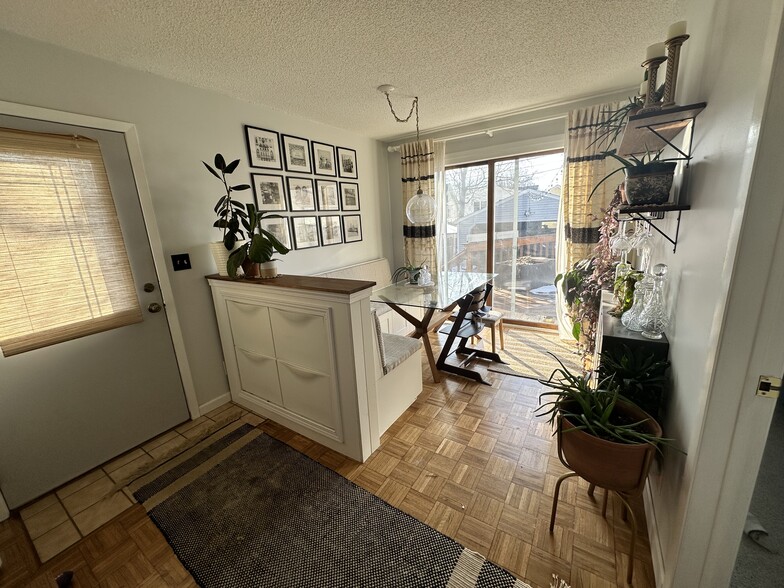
(64, 272)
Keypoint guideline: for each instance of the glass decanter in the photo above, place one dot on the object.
(643, 242)
(642, 289)
(654, 317)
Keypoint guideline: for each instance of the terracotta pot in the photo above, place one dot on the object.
(250, 268)
(268, 270)
(617, 466)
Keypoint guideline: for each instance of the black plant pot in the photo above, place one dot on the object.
(649, 184)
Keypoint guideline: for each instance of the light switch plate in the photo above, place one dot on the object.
(181, 261)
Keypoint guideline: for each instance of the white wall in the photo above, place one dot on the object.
(178, 127)
(727, 64)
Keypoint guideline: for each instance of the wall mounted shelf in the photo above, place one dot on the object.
(653, 212)
(656, 129)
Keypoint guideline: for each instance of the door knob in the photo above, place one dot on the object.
(154, 307)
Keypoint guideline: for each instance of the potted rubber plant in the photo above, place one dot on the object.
(255, 256)
(648, 178)
(230, 212)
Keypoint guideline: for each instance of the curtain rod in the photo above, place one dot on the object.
(488, 132)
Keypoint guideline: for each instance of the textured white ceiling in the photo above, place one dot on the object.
(322, 59)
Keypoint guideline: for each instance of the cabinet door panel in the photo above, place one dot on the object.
(259, 376)
(250, 327)
(301, 339)
(307, 394)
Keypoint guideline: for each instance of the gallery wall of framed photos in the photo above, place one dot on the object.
(313, 185)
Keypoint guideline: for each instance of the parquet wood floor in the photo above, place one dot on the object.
(469, 460)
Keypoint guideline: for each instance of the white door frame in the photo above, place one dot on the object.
(150, 223)
(751, 342)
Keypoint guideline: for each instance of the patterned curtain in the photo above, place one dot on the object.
(585, 166)
(419, 241)
(579, 219)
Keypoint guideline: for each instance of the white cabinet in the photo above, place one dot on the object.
(302, 356)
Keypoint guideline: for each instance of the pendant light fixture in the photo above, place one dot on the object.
(421, 209)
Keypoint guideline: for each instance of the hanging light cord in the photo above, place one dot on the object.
(414, 109)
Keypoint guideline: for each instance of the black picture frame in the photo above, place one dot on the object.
(272, 225)
(327, 195)
(349, 196)
(269, 192)
(328, 225)
(305, 223)
(263, 148)
(296, 154)
(349, 234)
(347, 163)
(302, 196)
(324, 163)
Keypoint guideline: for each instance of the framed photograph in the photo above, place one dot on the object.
(352, 227)
(349, 196)
(323, 159)
(296, 154)
(347, 163)
(305, 229)
(327, 195)
(268, 192)
(263, 148)
(278, 227)
(301, 195)
(330, 230)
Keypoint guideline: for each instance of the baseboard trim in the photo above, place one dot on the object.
(657, 558)
(215, 403)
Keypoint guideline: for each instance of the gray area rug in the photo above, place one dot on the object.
(243, 509)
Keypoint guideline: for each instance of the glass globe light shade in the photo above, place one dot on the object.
(421, 209)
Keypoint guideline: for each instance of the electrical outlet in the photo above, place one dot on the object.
(181, 261)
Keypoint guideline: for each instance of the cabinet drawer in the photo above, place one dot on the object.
(250, 327)
(307, 394)
(301, 339)
(258, 376)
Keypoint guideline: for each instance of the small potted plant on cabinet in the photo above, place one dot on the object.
(255, 256)
(230, 213)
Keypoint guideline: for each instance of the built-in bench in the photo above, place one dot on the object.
(399, 358)
(377, 270)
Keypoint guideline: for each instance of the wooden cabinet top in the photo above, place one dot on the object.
(312, 283)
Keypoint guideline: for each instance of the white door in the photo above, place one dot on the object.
(69, 407)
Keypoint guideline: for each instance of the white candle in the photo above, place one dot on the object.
(676, 29)
(654, 51)
(644, 88)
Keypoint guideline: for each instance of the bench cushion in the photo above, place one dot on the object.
(397, 349)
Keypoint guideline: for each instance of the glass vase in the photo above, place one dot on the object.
(654, 317)
(642, 289)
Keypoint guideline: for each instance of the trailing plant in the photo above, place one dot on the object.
(261, 246)
(623, 288)
(615, 121)
(640, 377)
(230, 212)
(649, 163)
(589, 409)
(582, 286)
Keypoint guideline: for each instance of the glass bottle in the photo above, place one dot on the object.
(642, 289)
(654, 317)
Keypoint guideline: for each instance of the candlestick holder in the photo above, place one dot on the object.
(652, 65)
(671, 75)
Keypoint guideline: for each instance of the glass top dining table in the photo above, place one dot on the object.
(446, 290)
(451, 290)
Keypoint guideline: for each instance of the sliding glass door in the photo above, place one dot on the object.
(501, 217)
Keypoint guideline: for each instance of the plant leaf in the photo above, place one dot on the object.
(231, 167)
(220, 163)
(240, 187)
(212, 171)
(235, 261)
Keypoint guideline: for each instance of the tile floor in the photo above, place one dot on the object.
(467, 459)
(63, 517)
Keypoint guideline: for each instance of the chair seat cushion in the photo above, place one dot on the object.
(397, 349)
